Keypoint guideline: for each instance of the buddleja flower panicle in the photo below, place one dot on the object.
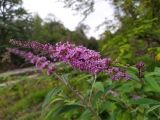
(40, 62)
(33, 45)
(79, 57)
(140, 65)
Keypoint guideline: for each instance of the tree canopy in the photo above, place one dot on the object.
(137, 34)
(13, 19)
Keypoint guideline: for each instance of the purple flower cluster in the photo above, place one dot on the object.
(116, 74)
(33, 45)
(40, 62)
(140, 65)
(78, 57)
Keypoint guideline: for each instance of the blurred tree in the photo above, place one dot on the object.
(138, 27)
(85, 7)
(37, 28)
(138, 32)
(13, 20)
(52, 30)
(92, 44)
(15, 23)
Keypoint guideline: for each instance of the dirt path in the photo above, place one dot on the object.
(31, 71)
(13, 82)
(18, 72)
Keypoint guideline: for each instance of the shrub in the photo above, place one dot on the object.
(116, 92)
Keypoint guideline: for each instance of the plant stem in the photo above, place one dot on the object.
(140, 74)
(94, 80)
(79, 96)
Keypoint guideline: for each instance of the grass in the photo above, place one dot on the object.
(23, 100)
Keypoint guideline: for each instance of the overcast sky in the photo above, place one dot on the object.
(68, 17)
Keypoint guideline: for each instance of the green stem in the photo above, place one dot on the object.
(79, 96)
(94, 80)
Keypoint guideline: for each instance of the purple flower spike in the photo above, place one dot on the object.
(51, 69)
(117, 74)
(40, 62)
(78, 57)
(140, 65)
(33, 44)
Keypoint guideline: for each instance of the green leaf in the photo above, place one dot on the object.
(139, 117)
(53, 113)
(128, 87)
(132, 69)
(157, 69)
(86, 115)
(153, 84)
(109, 106)
(95, 98)
(152, 108)
(133, 75)
(70, 107)
(122, 115)
(144, 101)
(61, 108)
(55, 100)
(153, 74)
(99, 86)
(50, 96)
(64, 78)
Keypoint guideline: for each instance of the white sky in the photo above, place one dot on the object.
(68, 17)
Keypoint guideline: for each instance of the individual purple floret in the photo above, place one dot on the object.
(40, 62)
